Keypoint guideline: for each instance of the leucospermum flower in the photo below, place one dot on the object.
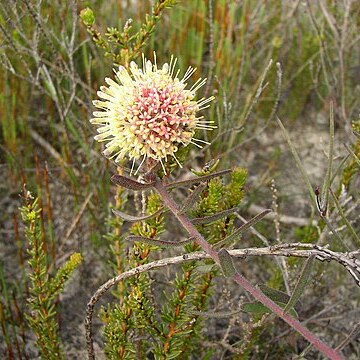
(148, 112)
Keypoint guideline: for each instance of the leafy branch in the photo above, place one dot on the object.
(45, 288)
(124, 45)
(348, 260)
(224, 259)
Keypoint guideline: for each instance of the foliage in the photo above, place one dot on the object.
(179, 332)
(50, 68)
(44, 288)
(125, 45)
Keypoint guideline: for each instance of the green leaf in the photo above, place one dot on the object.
(198, 179)
(274, 294)
(357, 160)
(301, 283)
(243, 227)
(258, 308)
(327, 181)
(130, 183)
(215, 314)
(211, 218)
(255, 308)
(161, 243)
(192, 198)
(344, 218)
(132, 218)
(226, 263)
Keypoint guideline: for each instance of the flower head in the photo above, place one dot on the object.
(148, 112)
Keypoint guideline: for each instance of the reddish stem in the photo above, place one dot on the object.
(243, 282)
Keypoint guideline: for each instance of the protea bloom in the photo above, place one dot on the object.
(148, 113)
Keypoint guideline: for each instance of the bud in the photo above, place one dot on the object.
(87, 16)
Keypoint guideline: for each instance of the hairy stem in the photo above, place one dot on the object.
(243, 282)
(348, 260)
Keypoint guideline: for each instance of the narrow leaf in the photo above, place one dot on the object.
(327, 181)
(192, 198)
(301, 283)
(157, 242)
(341, 164)
(214, 314)
(132, 218)
(226, 263)
(357, 160)
(211, 218)
(198, 179)
(260, 309)
(346, 221)
(306, 179)
(244, 227)
(274, 294)
(130, 183)
(255, 308)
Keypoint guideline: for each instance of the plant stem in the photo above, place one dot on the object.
(289, 249)
(243, 282)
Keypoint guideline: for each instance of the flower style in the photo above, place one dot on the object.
(148, 113)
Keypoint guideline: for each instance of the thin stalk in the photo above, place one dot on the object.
(344, 218)
(328, 177)
(243, 282)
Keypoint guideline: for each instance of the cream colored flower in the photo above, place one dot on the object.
(148, 113)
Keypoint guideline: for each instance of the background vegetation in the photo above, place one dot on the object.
(50, 70)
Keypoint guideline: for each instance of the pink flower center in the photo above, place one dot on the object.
(162, 116)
